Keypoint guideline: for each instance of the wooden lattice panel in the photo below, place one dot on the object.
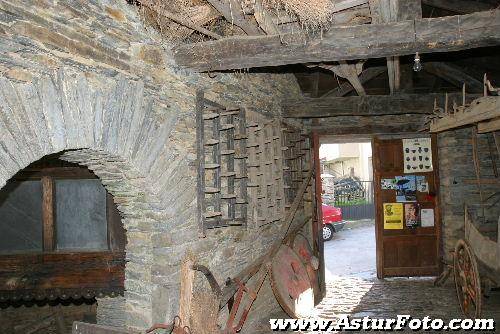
(222, 170)
(265, 164)
(296, 148)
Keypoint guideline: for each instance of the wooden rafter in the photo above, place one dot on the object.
(233, 13)
(350, 72)
(459, 6)
(177, 19)
(451, 33)
(369, 105)
(392, 11)
(454, 75)
(365, 76)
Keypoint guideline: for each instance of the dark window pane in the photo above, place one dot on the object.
(21, 217)
(81, 215)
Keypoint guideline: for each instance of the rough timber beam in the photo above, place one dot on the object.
(369, 105)
(458, 6)
(426, 35)
(365, 76)
(454, 75)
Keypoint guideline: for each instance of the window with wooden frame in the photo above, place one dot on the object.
(57, 206)
(58, 219)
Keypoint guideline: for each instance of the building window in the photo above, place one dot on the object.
(54, 206)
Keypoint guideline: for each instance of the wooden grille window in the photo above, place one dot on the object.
(61, 235)
(58, 209)
(222, 169)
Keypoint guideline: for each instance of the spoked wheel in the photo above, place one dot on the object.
(467, 280)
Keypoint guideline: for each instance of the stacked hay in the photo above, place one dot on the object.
(315, 14)
(197, 11)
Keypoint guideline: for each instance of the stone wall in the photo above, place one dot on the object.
(87, 78)
(457, 178)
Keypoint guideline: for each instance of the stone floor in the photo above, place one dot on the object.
(353, 289)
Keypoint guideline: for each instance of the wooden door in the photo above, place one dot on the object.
(409, 251)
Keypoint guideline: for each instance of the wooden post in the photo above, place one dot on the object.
(186, 294)
(48, 213)
(319, 249)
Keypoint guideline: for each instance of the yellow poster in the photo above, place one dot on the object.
(393, 216)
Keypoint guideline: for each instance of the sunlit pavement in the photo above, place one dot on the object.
(353, 289)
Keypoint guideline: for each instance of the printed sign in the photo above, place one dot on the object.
(412, 215)
(393, 216)
(422, 184)
(388, 184)
(406, 188)
(417, 155)
(427, 217)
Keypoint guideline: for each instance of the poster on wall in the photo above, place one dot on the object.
(417, 155)
(412, 215)
(422, 184)
(406, 188)
(427, 217)
(388, 184)
(393, 216)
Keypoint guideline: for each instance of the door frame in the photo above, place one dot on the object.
(378, 202)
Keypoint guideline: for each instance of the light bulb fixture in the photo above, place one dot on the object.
(417, 65)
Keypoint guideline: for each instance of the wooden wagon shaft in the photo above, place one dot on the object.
(230, 289)
(451, 33)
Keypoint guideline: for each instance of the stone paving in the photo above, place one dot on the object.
(359, 294)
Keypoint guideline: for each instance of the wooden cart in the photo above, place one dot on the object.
(476, 265)
(476, 260)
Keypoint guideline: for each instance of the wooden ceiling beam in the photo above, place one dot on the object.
(369, 105)
(350, 72)
(426, 35)
(459, 6)
(392, 11)
(365, 76)
(454, 75)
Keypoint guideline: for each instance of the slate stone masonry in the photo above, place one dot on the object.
(88, 79)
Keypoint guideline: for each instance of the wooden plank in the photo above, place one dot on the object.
(349, 72)
(177, 19)
(346, 4)
(488, 126)
(187, 289)
(454, 75)
(482, 109)
(48, 213)
(459, 6)
(265, 19)
(369, 105)
(233, 13)
(54, 275)
(365, 76)
(426, 35)
(388, 13)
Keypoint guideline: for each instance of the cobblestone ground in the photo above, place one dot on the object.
(360, 297)
(360, 294)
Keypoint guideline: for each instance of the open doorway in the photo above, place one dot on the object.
(348, 208)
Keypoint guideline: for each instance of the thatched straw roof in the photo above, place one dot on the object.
(196, 20)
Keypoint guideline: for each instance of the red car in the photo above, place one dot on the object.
(332, 221)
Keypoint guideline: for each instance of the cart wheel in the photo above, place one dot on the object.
(467, 280)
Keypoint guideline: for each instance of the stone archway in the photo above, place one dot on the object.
(110, 125)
